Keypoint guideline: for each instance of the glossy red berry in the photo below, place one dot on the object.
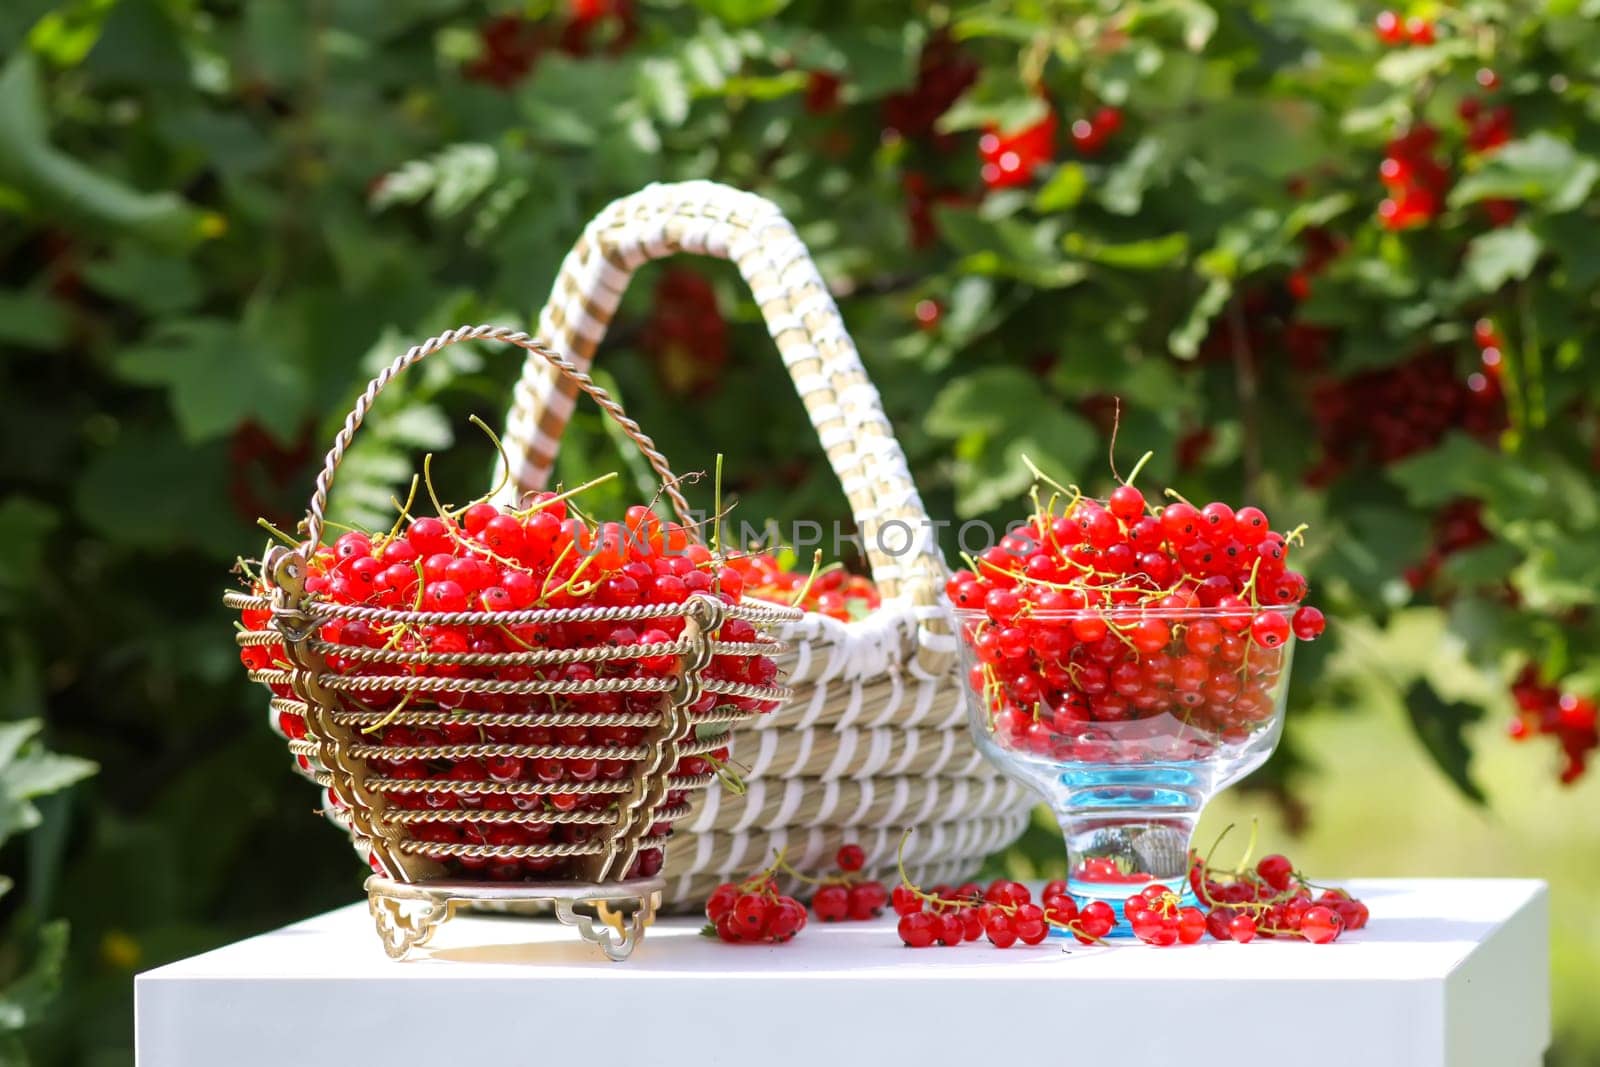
(831, 903)
(1276, 871)
(919, 929)
(1319, 925)
(1308, 624)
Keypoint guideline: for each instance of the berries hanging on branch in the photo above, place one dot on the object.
(1543, 710)
(1011, 158)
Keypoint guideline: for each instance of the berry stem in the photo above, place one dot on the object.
(403, 509)
(816, 569)
(1137, 467)
(567, 494)
(279, 534)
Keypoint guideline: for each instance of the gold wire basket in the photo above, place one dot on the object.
(606, 863)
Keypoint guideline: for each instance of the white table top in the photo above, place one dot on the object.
(1448, 972)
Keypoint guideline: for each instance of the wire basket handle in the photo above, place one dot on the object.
(538, 353)
(711, 219)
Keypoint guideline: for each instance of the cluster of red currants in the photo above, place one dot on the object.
(1271, 900)
(1456, 527)
(1157, 917)
(1385, 415)
(846, 895)
(483, 560)
(1004, 913)
(511, 45)
(753, 911)
(1319, 247)
(944, 72)
(686, 337)
(1491, 353)
(1416, 181)
(1394, 30)
(1544, 710)
(1487, 127)
(1090, 135)
(1116, 611)
(1011, 159)
(822, 92)
(833, 591)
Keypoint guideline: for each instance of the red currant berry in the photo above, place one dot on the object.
(919, 929)
(1319, 925)
(831, 903)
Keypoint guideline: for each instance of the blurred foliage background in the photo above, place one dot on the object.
(1336, 262)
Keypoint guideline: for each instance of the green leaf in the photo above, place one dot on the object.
(997, 415)
(28, 771)
(1131, 255)
(1459, 467)
(741, 12)
(216, 376)
(1186, 337)
(1441, 728)
(1408, 66)
(1008, 247)
(1063, 191)
(1501, 255)
(984, 401)
(57, 186)
(152, 281)
(998, 99)
(25, 1001)
(275, 37)
(565, 104)
(150, 490)
(31, 319)
(1273, 138)
(1540, 169)
(878, 59)
(1575, 240)
(461, 173)
(24, 526)
(1122, 191)
(664, 90)
(139, 45)
(1482, 565)
(1194, 21)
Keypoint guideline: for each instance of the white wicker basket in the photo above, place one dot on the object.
(874, 738)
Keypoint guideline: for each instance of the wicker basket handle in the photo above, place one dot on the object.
(575, 379)
(711, 219)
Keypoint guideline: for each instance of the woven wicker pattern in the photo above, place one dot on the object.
(874, 737)
(334, 715)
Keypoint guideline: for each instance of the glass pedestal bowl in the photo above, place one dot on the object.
(1126, 722)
